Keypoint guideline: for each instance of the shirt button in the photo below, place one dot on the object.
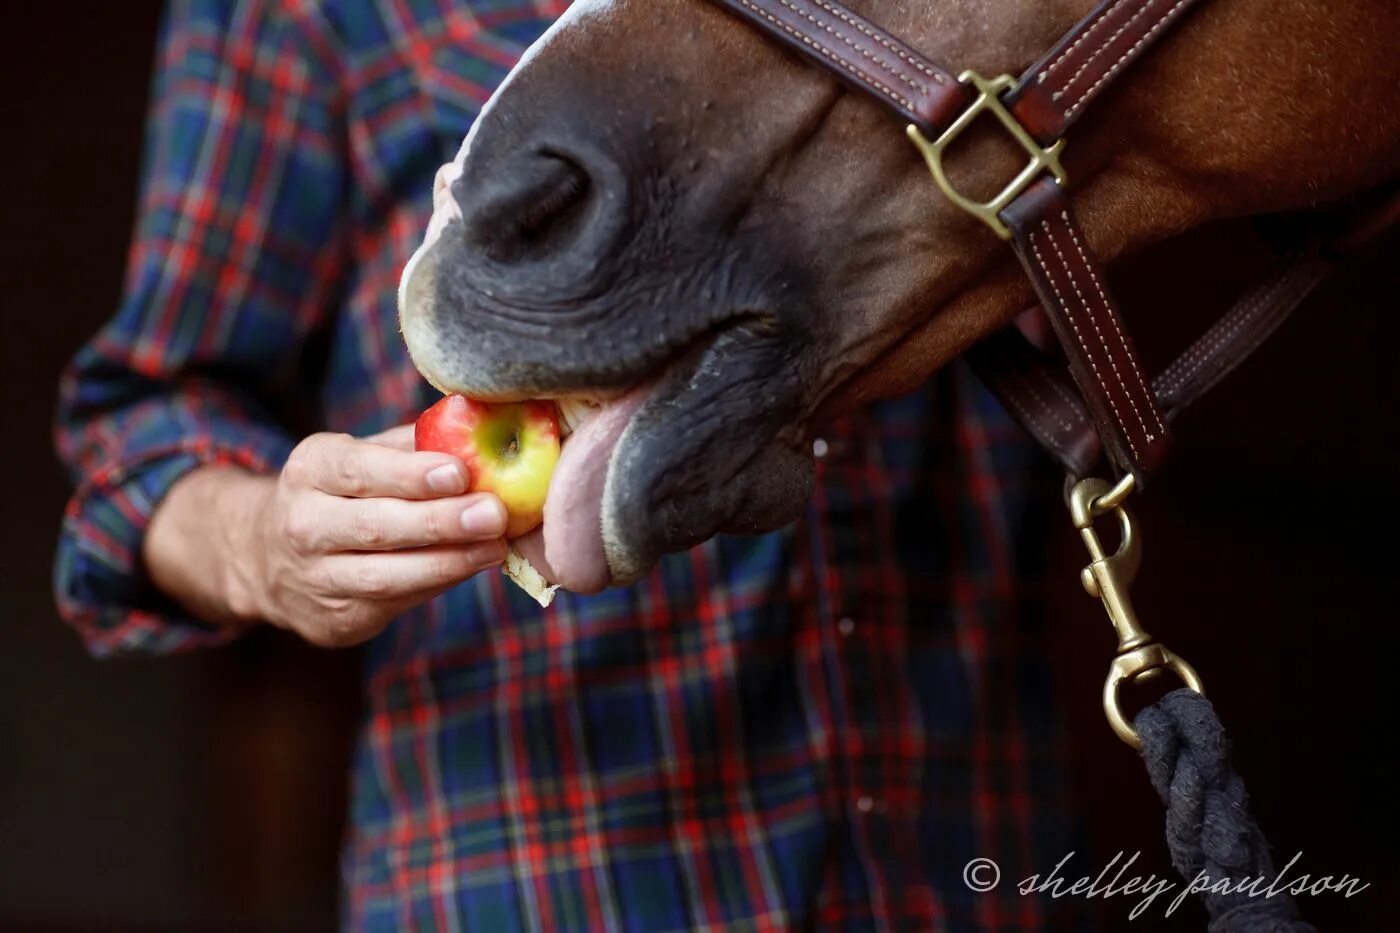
(846, 626)
(820, 448)
(865, 804)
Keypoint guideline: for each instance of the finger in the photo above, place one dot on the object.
(394, 608)
(394, 524)
(399, 438)
(343, 466)
(395, 575)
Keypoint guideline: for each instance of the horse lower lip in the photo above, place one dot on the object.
(573, 531)
(570, 549)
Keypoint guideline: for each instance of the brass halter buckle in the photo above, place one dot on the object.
(1108, 577)
(989, 99)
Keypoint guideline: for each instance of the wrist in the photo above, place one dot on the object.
(240, 505)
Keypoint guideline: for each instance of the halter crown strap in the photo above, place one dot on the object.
(1055, 91)
(1047, 99)
(1033, 211)
(863, 55)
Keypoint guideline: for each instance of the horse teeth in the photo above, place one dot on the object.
(574, 412)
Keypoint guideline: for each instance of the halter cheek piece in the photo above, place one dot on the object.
(1117, 412)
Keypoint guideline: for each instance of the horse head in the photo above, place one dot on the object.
(713, 245)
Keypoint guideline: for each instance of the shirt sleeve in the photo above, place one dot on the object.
(238, 254)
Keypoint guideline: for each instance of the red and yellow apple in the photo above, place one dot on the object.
(510, 449)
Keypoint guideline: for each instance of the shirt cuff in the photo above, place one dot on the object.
(100, 584)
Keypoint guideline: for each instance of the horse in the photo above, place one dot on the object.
(668, 221)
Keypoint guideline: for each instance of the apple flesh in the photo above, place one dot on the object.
(509, 448)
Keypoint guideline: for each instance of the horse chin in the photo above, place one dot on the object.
(714, 448)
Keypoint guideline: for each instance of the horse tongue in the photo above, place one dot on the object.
(572, 536)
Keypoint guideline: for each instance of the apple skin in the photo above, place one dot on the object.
(510, 449)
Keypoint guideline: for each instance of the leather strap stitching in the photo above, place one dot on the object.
(1015, 402)
(1118, 65)
(1029, 384)
(1104, 47)
(1074, 324)
(1118, 329)
(1187, 367)
(895, 72)
(1083, 36)
(833, 56)
(1054, 442)
(860, 27)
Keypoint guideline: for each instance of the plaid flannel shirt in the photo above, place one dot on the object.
(815, 728)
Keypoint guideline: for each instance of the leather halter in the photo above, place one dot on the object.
(1122, 412)
(1117, 411)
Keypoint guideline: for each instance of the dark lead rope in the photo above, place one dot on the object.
(1209, 829)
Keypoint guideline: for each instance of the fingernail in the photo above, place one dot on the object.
(484, 519)
(447, 479)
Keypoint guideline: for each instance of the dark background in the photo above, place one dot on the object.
(203, 792)
(207, 791)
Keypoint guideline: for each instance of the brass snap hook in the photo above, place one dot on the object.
(1108, 578)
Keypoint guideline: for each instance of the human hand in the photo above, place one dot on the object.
(355, 532)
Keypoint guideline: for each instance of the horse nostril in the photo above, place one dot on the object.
(533, 210)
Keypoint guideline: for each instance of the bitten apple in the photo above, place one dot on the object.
(509, 448)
